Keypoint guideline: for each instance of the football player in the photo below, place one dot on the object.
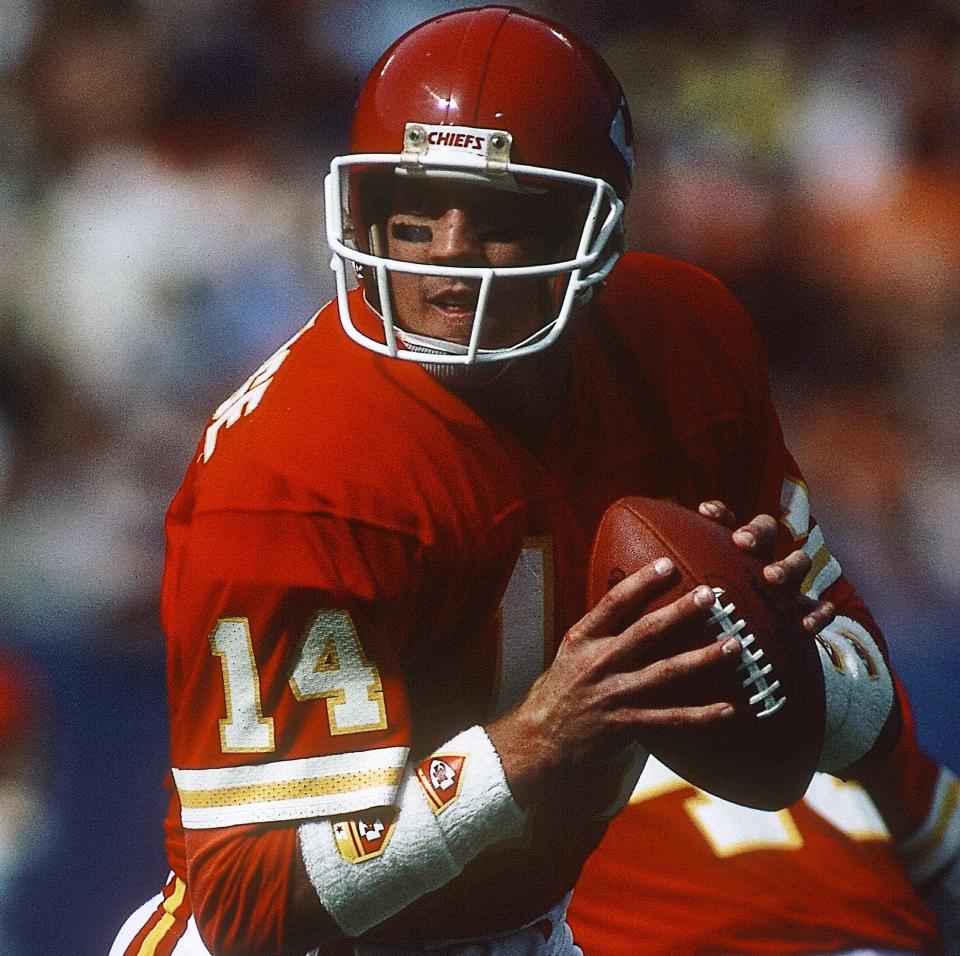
(395, 726)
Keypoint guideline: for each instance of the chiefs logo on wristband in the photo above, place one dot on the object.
(364, 837)
(440, 776)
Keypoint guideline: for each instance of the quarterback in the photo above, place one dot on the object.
(395, 725)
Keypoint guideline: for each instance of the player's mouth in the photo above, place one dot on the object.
(456, 300)
(455, 307)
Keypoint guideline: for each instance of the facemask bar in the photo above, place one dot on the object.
(586, 269)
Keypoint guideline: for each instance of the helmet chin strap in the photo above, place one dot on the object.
(427, 343)
(430, 345)
(477, 373)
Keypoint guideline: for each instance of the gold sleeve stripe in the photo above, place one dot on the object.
(341, 783)
(298, 789)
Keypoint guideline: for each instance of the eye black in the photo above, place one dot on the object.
(408, 232)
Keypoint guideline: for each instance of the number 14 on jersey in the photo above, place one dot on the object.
(330, 664)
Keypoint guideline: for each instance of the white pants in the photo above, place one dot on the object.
(528, 941)
(189, 944)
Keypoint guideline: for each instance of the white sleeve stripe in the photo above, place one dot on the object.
(290, 789)
(274, 810)
(795, 505)
(937, 841)
(334, 765)
(829, 574)
(825, 570)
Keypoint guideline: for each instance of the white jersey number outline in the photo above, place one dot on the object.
(330, 664)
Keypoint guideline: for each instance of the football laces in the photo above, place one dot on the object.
(765, 690)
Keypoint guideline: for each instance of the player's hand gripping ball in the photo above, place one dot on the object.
(766, 754)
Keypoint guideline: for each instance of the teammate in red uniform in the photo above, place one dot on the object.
(377, 550)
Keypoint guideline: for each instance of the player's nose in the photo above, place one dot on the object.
(455, 239)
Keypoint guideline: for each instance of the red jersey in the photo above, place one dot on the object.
(359, 565)
(323, 553)
(684, 872)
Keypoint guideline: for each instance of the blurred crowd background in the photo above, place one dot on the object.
(161, 167)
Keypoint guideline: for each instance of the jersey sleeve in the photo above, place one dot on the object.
(761, 476)
(853, 648)
(285, 635)
(291, 637)
(931, 854)
(920, 803)
(705, 366)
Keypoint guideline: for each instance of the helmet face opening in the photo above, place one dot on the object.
(536, 243)
(482, 199)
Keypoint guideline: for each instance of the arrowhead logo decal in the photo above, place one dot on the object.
(440, 776)
(364, 838)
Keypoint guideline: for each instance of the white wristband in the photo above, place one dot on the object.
(859, 692)
(452, 805)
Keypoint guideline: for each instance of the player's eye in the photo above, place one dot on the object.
(410, 232)
(506, 232)
(505, 226)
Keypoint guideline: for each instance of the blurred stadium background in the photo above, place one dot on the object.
(161, 166)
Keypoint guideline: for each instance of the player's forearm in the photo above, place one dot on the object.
(526, 753)
(902, 785)
(250, 893)
(920, 803)
(289, 888)
(451, 806)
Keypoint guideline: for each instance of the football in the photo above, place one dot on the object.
(765, 755)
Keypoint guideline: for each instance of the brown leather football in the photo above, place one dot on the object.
(766, 754)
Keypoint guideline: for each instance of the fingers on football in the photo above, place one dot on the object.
(819, 616)
(622, 603)
(758, 536)
(790, 570)
(662, 622)
(639, 688)
(642, 642)
(719, 512)
(680, 716)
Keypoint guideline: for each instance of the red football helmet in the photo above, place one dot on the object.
(496, 97)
